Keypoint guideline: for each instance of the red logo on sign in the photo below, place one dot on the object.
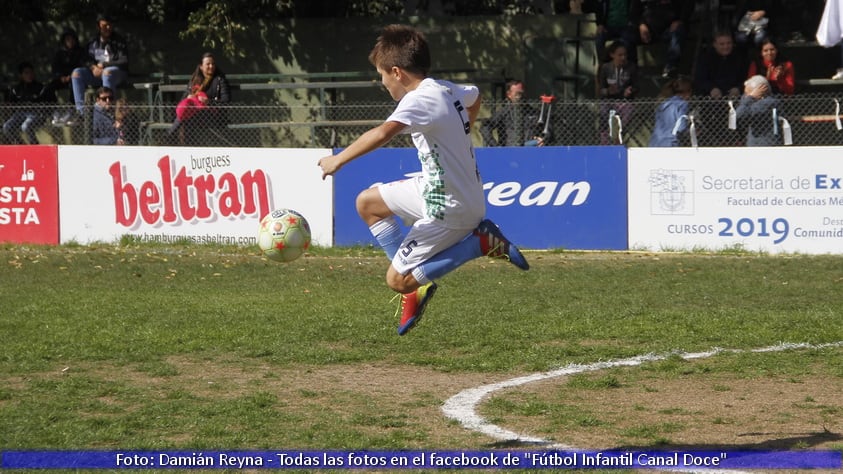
(180, 196)
(29, 204)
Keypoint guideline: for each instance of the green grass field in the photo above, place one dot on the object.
(192, 347)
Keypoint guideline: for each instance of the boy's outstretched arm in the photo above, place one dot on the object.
(371, 140)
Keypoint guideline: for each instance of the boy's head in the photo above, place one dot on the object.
(401, 46)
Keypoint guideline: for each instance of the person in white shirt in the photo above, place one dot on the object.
(445, 204)
(830, 31)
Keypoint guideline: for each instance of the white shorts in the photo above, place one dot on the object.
(427, 236)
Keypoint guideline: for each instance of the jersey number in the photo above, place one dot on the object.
(408, 249)
(466, 126)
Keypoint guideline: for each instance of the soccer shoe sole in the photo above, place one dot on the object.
(515, 255)
(404, 328)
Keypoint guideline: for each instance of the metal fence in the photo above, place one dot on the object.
(813, 120)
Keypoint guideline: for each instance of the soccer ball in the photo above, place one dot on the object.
(284, 235)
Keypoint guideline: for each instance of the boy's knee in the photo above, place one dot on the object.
(400, 283)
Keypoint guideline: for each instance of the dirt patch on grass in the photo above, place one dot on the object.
(697, 411)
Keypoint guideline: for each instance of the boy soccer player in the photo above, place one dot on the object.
(446, 204)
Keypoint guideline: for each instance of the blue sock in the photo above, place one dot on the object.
(388, 234)
(451, 258)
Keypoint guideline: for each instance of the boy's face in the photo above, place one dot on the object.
(389, 79)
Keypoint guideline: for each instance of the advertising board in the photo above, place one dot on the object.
(29, 206)
(776, 200)
(547, 197)
(205, 195)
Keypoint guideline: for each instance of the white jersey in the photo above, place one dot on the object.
(436, 115)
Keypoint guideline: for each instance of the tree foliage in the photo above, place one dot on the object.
(217, 22)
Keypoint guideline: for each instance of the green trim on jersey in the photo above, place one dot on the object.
(433, 191)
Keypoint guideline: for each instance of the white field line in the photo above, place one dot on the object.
(461, 407)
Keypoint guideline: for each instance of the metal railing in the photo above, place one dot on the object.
(814, 120)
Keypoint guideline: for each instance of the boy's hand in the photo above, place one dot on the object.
(329, 164)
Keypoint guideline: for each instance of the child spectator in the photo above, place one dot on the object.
(28, 96)
(617, 80)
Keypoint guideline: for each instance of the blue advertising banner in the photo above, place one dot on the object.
(542, 198)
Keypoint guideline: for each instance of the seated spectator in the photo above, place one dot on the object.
(68, 57)
(753, 22)
(666, 20)
(720, 70)
(106, 129)
(207, 90)
(779, 72)
(757, 112)
(126, 122)
(29, 112)
(672, 113)
(617, 80)
(107, 63)
(516, 123)
(613, 23)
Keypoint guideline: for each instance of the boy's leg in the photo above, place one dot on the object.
(486, 239)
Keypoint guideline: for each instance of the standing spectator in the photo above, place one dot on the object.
(757, 112)
(107, 63)
(68, 57)
(207, 90)
(779, 72)
(720, 70)
(666, 20)
(830, 31)
(28, 96)
(514, 124)
(617, 80)
(672, 113)
(614, 23)
(106, 129)
(753, 22)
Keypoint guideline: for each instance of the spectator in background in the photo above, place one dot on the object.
(126, 122)
(617, 80)
(720, 70)
(757, 113)
(672, 113)
(753, 26)
(207, 90)
(830, 31)
(29, 97)
(68, 57)
(779, 72)
(514, 124)
(613, 23)
(107, 63)
(106, 129)
(666, 20)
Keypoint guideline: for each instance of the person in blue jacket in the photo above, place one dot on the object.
(106, 130)
(672, 112)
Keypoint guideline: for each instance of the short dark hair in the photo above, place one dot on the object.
(24, 66)
(104, 17)
(401, 46)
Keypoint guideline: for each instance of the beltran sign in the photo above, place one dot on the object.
(205, 195)
(550, 197)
